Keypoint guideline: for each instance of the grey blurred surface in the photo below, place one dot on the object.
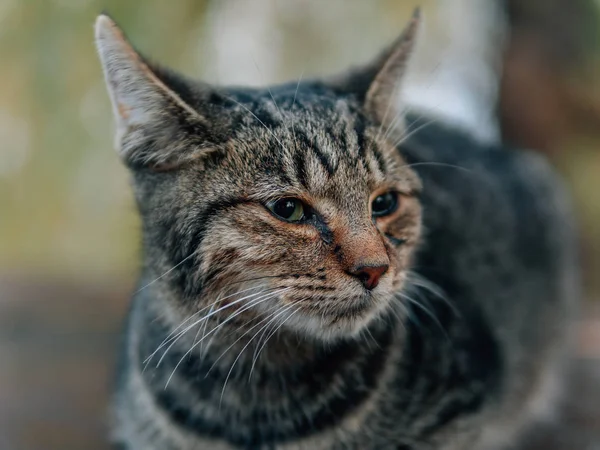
(57, 344)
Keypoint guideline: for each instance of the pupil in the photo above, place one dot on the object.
(285, 208)
(384, 204)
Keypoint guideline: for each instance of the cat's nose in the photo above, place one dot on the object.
(363, 255)
(369, 274)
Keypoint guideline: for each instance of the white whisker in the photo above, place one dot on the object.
(260, 121)
(415, 130)
(419, 281)
(441, 164)
(244, 348)
(293, 121)
(277, 311)
(166, 273)
(210, 315)
(427, 311)
(211, 306)
(178, 335)
(203, 328)
(251, 305)
(402, 113)
(255, 358)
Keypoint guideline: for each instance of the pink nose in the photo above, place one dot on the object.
(369, 275)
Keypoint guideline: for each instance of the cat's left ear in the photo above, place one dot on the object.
(378, 83)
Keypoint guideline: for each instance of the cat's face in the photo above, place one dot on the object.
(290, 205)
(314, 210)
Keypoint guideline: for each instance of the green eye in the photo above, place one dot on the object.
(384, 204)
(288, 209)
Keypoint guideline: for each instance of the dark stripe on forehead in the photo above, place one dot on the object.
(343, 130)
(359, 129)
(300, 168)
(342, 139)
(312, 145)
(274, 167)
(379, 158)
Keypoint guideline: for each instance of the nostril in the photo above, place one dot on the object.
(369, 275)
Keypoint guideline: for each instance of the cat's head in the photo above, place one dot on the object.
(290, 203)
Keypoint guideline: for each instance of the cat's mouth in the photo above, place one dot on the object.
(352, 310)
(340, 317)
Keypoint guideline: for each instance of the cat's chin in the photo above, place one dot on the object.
(347, 322)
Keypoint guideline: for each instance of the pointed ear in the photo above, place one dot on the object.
(378, 83)
(155, 126)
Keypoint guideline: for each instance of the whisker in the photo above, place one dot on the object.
(297, 87)
(277, 311)
(264, 331)
(293, 121)
(400, 116)
(397, 314)
(267, 86)
(244, 348)
(399, 119)
(166, 273)
(255, 358)
(393, 98)
(393, 125)
(246, 280)
(219, 299)
(368, 332)
(174, 334)
(178, 335)
(412, 132)
(441, 164)
(428, 312)
(260, 121)
(419, 281)
(251, 305)
(209, 315)
(203, 328)
(403, 111)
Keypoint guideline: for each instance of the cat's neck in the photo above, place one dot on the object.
(287, 376)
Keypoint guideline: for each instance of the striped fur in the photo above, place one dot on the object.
(251, 332)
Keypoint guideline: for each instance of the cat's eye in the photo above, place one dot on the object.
(384, 204)
(288, 209)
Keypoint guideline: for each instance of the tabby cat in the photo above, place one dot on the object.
(322, 272)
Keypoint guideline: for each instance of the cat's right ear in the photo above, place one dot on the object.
(377, 84)
(156, 128)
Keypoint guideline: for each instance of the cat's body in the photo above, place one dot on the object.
(456, 340)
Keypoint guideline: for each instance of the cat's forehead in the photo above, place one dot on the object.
(301, 117)
(311, 140)
(288, 104)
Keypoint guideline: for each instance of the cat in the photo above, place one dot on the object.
(321, 271)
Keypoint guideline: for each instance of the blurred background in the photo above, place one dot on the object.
(68, 228)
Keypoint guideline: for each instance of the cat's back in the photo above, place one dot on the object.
(499, 241)
(502, 209)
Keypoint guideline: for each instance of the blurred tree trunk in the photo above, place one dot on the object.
(546, 72)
